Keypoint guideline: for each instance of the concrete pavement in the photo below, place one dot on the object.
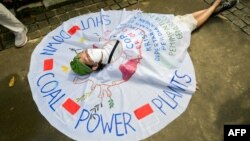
(220, 53)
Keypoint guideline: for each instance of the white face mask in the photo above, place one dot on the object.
(95, 54)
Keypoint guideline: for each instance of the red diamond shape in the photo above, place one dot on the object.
(73, 29)
(48, 64)
(143, 111)
(71, 106)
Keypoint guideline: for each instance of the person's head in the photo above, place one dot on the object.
(83, 64)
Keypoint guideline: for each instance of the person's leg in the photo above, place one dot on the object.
(9, 21)
(202, 16)
(217, 7)
(198, 13)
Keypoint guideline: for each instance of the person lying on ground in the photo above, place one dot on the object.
(95, 59)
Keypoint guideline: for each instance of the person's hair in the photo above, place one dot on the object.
(100, 66)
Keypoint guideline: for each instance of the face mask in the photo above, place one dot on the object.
(95, 54)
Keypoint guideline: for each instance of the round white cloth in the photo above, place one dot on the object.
(148, 84)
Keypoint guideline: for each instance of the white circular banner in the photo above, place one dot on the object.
(147, 86)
